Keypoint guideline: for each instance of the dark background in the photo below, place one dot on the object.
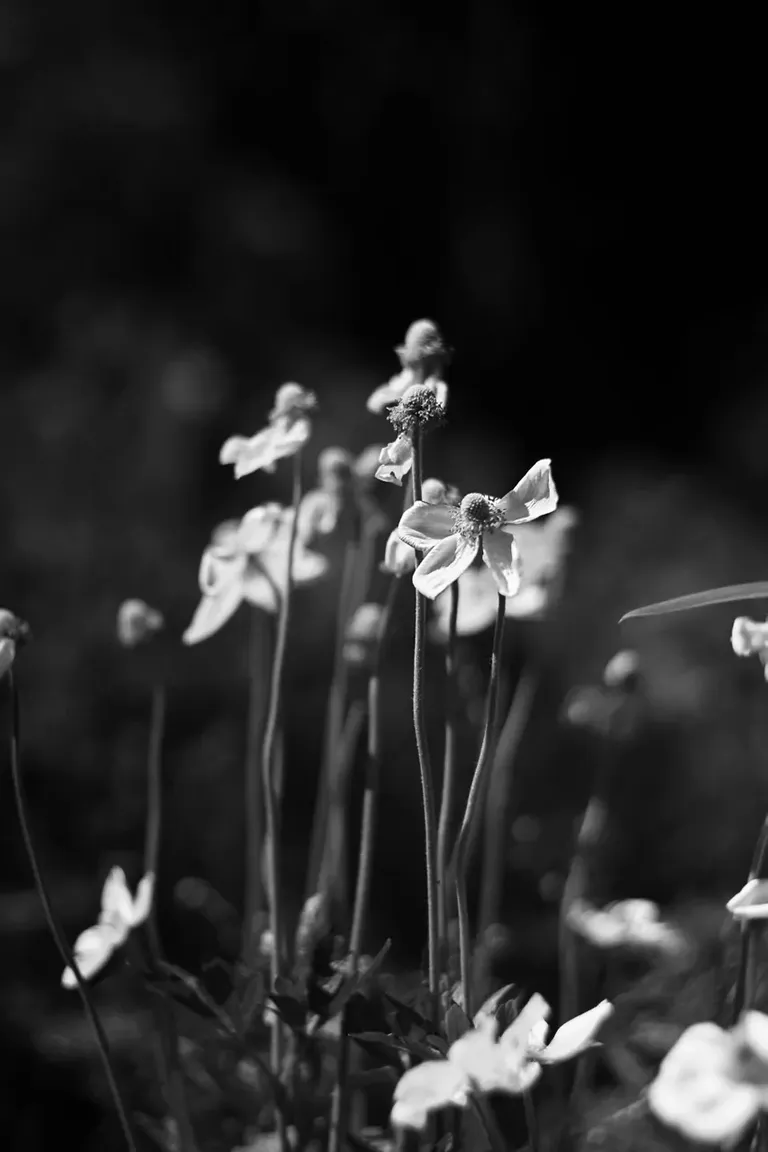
(200, 201)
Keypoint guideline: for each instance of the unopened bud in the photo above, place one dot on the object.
(137, 622)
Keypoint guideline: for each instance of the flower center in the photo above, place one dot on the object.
(477, 514)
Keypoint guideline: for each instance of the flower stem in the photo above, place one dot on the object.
(484, 1113)
(484, 762)
(56, 930)
(271, 804)
(449, 770)
(744, 991)
(254, 790)
(498, 798)
(422, 748)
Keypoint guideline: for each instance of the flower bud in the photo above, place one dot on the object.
(137, 622)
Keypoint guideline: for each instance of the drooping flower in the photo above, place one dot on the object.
(751, 903)
(288, 430)
(120, 914)
(749, 637)
(712, 1084)
(137, 622)
(247, 561)
(479, 1062)
(626, 924)
(453, 537)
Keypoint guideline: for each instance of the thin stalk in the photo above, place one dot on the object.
(253, 785)
(484, 762)
(744, 991)
(332, 878)
(56, 931)
(271, 805)
(449, 770)
(422, 748)
(497, 805)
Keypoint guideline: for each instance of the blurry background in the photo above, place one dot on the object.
(199, 202)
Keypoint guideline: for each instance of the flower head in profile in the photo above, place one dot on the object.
(423, 356)
(749, 637)
(288, 429)
(14, 632)
(481, 525)
(247, 561)
(712, 1084)
(626, 924)
(137, 622)
(479, 1061)
(120, 914)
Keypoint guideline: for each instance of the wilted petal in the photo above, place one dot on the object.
(751, 903)
(213, 612)
(395, 460)
(534, 496)
(544, 544)
(93, 948)
(399, 558)
(219, 570)
(423, 525)
(421, 1090)
(232, 449)
(116, 899)
(443, 564)
(440, 389)
(500, 554)
(576, 1035)
(142, 904)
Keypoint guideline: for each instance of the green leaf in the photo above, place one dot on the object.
(730, 594)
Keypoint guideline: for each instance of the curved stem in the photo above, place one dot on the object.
(449, 770)
(271, 805)
(422, 748)
(56, 930)
(484, 761)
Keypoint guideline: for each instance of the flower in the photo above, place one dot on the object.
(137, 622)
(330, 509)
(712, 1084)
(247, 561)
(750, 636)
(479, 1062)
(120, 913)
(543, 547)
(423, 355)
(399, 557)
(454, 537)
(395, 388)
(625, 924)
(751, 903)
(288, 430)
(14, 632)
(395, 460)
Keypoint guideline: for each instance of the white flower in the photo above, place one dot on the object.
(749, 637)
(478, 1062)
(751, 903)
(288, 430)
(120, 913)
(625, 924)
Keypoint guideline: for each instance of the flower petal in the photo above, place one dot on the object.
(751, 903)
(534, 496)
(213, 612)
(116, 900)
(576, 1035)
(544, 545)
(142, 903)
(218, 570)
(399, 558)
(443, 564)
(477, 605)
(259, 589)
(93, 948)
(259, 526)
(421, 1090)
(516, 1038)
(390, 392)
(395, 460)
(481, 1059)
(423, 525)
(232, 448)
(500, 554)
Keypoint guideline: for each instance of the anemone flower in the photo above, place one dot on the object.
(394, 390)
(120, 914)
(453, 537)
(479, 1062)
(712, 1084)
(288, 430)
(399, 557)
(246, 561)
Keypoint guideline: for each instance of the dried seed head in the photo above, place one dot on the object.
(137, 622)
(419, 408)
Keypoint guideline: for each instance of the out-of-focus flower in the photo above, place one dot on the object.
(14, 632)
(543, 548)
(751, 903)
(749, 637)
(363, 634)
(622, 670)
(120, 914)
(453, 537)
(626, 924)
(712, 1084)
(479, 1062)
(248, 561)
(288, 430)
(423, 356)
(137, 622)
(330, 509)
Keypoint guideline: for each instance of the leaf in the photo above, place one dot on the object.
(291, 1011)
(380, 1047)
(730, 594)
(456, 1023)
(496, 1002)
(405, 1018)
(357, 981)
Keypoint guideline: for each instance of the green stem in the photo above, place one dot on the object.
(422, 748)
(56, 931)
(484, 762)
(449, 770)
(271, 805)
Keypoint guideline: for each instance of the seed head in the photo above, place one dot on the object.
(477, 514)
(419, 408)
